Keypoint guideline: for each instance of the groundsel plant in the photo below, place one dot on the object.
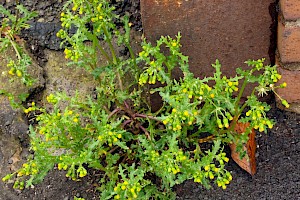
(141, 153)
(10, 28)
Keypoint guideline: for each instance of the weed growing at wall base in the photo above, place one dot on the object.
(141, 153)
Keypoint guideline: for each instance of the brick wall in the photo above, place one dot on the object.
(232, 31)
(228, 31)
(288, 55)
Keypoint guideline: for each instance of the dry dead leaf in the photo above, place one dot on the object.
(4, 33)
(248, 163)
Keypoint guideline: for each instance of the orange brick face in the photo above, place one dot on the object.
(290, 9)
(289, 42)
(292, 92)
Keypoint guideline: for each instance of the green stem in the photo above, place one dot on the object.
(15, 25)
(236, 111)
(245, 104)
(15, 48)
(103, 52)
(239, 111)
(120, 81)
(113, 53)
(115, 59)
(132, 56)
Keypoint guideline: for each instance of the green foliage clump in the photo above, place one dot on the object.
(141, 153)
(11, 26)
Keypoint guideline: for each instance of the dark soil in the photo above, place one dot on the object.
(278, 153)
(278, 171)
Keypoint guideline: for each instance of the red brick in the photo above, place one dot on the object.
(212, 29)
(288, 42)
(292, 92)
(290, 9)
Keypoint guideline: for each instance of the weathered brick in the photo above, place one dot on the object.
(290, 9)
(212, 29)
(288, 42)
(292, 92)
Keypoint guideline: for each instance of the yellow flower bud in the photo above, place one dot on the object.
(186, 113)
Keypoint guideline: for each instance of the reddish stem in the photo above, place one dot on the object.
(114, 112)
(145, 116)
(146, 132)
(126, 122)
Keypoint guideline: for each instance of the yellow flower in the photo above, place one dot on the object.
(212, 95)
(206, 168)
(25, 165)
(11, 72)
(197, 180)
(20, 173)
(278, 76)
(75, 7)
(59, 166)
(19, 73)
(219, 184)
